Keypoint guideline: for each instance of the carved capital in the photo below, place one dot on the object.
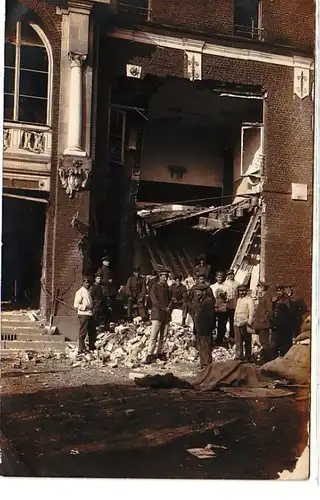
(74, 174)
(76, 60)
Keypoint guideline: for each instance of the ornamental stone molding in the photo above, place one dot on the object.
(74, 174)
(76, 60)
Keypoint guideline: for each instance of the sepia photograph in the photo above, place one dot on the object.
(159, 264)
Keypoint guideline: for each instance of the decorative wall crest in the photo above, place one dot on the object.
(301, 82)
(177, 172)
(6, 139)
(74, 174)
(32, 141)
(134, 71)
(194, 65)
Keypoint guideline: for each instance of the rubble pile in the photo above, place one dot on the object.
(127, 347)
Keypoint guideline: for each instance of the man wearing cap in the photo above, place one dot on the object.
(261, 320)
(298, 310)
(243, 318)
(203, 269)
(201, 306)
(220, 293)
(107, 288)
(136, 294)
(179, 297)
(84, 305)
(160, 317)
(281, 330)
(232, 289)
(97, 299)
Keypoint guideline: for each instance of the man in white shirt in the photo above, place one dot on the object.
(243, 318)
(232, 287)
(220, 293)
(84, 305)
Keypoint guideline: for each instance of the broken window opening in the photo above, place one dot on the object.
(251, 150)
(135, 10)
(117, 128)
(248, 19)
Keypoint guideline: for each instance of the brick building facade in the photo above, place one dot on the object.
(249, 50)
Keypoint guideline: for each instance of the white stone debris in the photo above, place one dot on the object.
(127, 347)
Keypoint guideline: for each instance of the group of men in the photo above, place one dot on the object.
(276, 319)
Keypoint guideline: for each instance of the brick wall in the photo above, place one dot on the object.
(203, 15)
(287, 22)
(51, 24)
(288, 149)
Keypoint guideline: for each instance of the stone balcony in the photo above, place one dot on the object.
(26, 156)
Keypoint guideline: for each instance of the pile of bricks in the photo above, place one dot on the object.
(127, 347)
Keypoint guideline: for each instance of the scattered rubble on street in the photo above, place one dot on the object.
(127, 346)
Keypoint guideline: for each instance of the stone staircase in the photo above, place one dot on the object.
(18, 332)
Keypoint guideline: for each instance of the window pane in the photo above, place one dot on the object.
(33, 58)
(9, 80)
(245, 11)
(33, 84)
(10, 54)
(8, 107)
(32, 110)
(29, 35)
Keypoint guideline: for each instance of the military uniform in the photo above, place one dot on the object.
(281, 326)
(136, 295)
(201, 306)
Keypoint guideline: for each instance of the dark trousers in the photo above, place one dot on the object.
(87, 327)
(265, 343)
(134, 301)
(243, 339)
(204, 345)
(106, 311)
(281, 342)
(221, 319)
(231, 320)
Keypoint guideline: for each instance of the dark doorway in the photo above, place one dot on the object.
(23, 228)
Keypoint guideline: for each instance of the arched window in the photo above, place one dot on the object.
(27, 86)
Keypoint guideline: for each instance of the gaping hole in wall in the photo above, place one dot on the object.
(23, 228)
(170, 151)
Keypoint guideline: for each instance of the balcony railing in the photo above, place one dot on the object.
(251, 32)
(131, 12)
(26, 139)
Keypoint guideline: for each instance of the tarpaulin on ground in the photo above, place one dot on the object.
(229, 373)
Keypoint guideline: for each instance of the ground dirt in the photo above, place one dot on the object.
(58, 421)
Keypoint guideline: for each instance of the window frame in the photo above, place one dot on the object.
(256, 32)
(17, 70)
(125, 3)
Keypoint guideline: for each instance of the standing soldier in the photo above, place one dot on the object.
(97, 299)
(160, 316)
(107, 289)
(179, 297)
(281, 328)
(136, 294)
(84, 305)
(201, 304)
(203, 269)
(220, 293)
(232, 290)
(298, 309)
(243, 318)
(261, 320)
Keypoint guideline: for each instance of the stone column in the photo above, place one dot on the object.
(74, 146)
